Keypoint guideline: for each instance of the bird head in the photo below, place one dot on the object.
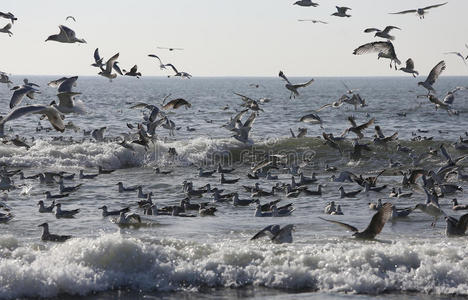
(43, 225)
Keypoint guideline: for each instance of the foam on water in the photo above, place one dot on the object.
(85, 265)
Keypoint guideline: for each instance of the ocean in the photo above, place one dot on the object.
(213, 257)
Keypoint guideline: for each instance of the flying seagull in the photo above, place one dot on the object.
(133, 72)
(419, 11)
(169, 48)
(177, 73)
(384, 49)
(6, 29)
(21, 91)
(409, 68)
(66, 35)
(110, 65)
(432, 77)
(306, 3)
(176, 103)
(9, 16)
(385, 34)
(375, 226)
(457, 54)
(97, 59)
(276, 233)
(294, 87)
(341, 11)
(161, 65)
(70, 17)
(312, 20)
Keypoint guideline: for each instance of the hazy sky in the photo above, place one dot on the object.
(230, 37)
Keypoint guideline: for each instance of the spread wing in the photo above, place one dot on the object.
(365, 125)
(173, 68)
(281, 74)
(301, 85)
(371, 30)
(155, 56)
(110, 63)
(347, 226)
(66, 99)
(435, 72)
(410, 64)
(434, 6)
(379, 219)
(270, 230)
(409, 11)
(69, 33)
(67, 85)
(97, 58)
(384, 47)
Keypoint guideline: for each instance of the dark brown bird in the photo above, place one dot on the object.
(357, 129)
(176, 103)
(375, 226)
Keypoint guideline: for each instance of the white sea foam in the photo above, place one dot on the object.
(82, 266)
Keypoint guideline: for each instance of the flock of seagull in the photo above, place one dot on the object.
(434, 182)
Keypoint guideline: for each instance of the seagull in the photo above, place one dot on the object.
(294, 87)
(110, 65)
(344, 194)
(177, 73)
(419, 11)
(71, 18)
(47, 236)
(133, 72)
(176, 103)
(106, 213)
(20, 92)
(383, 33)
(46, 209)
(5, 79)
(450, 96)
(128, 219)
(375, 226)
(409, 68)
(456, 227)
(57, 196)
(384, 49)
(306, 3)
(87, 176)
(312, 20)
(97, 59)
(6, 29)
(161, 65)
(276, 234)
(311, 118)
(431, 209)
(53, 115)
(357, 129)
(170, 48)
(68, 189)
(457, 54)
(59, 213)
(126, 189)
(432, 77)
(341, 11)
(8, 16)
(66, 35)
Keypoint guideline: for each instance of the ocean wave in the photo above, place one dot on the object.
(86, 265)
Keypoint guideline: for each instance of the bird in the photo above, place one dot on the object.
(384, 50)
(161, 65)
(66, 35)
(276, 233)
(450, 96)
(5, 79)
(432, 209)
(357, 129)
(71, 18)
(47, 236)
(59, 213)
(169, 48)
(420, 12)
(306, 3)
(57, 196)
(68, 189)
(176, 103)
(106, 213)
(133, 72)
(97, 59)
(432, 77)
(177, 73)
(294, 87)
(311, 118)
(9, 16)
(341, 11)
(351, 194)
(110, 66)
(385, 34)
(456, 206)
(228, 181)
(6, 29)
(101, 170)
(20, 92)
(456, 227)
(128, 219)
(375, 226)
(457, 54)
(409, 68)
(87, 176)
(312, 20)
(46, 209)
(53, 115)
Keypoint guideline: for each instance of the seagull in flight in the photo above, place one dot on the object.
(111, 64)
(420, 12)
(385, 34)
(375, 226)
(8, 16)
(161, 65)
(6, 29)
(294, 87)
(457, 54)
(306, 3)
(384, 49)
(341, 11)
(409, 68)
(312, 20)
(432, 77)
(180, 74)
(66, 35)
(97, 59)
(170, 48)
(71, 18)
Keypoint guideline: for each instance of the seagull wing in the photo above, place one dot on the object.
(173, 68)
(434, 6)
(283, 234)
(117, 68)
(379, 219)
(405, 12)
(384, 47)
(435, 72)
(69, 33)
(410, 64)
(52, 114)
(97, 58)
(371, 30)
(270, 230)
(301, 85)
(250, 120)
(347, 226)
(155, 56)
(19, 94)
(281, 74)
(67, 84)
(389, 28)
(110, 63)
(365, 125)
(66, 99)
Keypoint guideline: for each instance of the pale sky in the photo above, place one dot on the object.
(230, 37)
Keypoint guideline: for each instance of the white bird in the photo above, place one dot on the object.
(6, 29)
(409, 68)
(66, 35)
(384, 49)
(312, 20)
(242, 130)
(20, 92)
(110, 66)
(294, 87)
(161, 65)
(277, 234)
(341, 11)
(177, 73)
(53, 115)
(450, 96)
(432, 77)
(383, 33)
(420, 12)
(128, 219)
